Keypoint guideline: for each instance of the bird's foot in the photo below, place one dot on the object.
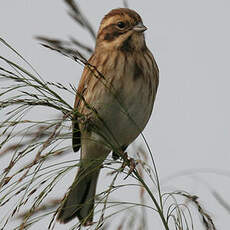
(116, 155)
(130, 162)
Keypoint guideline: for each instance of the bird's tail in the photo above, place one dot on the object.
(80, 198)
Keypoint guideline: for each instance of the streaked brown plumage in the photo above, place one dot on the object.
(117, 102)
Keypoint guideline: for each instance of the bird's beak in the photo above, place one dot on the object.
(140, 27)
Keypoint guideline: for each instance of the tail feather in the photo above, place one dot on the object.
(80, 198)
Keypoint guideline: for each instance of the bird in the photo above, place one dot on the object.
(115, 99)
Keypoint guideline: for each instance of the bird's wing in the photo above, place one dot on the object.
(76, 136)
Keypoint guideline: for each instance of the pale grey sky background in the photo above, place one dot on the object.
(190, 126)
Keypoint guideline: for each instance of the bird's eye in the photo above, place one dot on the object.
(121, 25)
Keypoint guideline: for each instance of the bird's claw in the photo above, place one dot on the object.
(130, 162)
(132, 166)
(116, 155)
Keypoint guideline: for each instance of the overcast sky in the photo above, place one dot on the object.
(190, 39)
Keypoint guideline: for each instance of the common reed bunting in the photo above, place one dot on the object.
(115, 95)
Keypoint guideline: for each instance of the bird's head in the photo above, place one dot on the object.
(121, 29)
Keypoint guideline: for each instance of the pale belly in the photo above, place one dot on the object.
(122, 118)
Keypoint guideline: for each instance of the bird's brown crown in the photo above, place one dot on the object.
(124, 14)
